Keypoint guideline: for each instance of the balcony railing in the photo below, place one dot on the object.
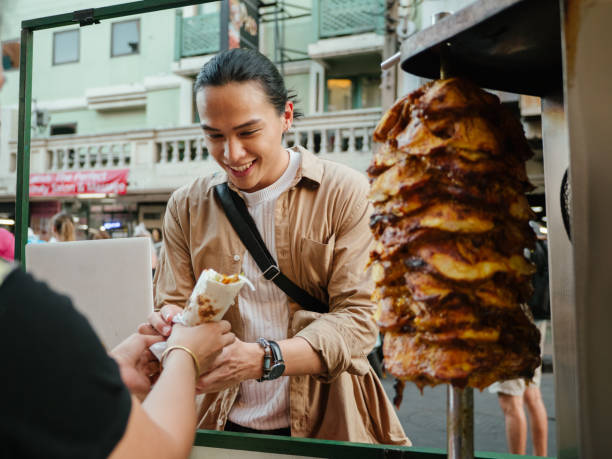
(197, 35)
(348, 17)
(166, 158)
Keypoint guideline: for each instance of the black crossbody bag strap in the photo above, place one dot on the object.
(242, 222)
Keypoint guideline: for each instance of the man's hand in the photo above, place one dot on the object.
(160, 322)
(236, 363)
(136, 363)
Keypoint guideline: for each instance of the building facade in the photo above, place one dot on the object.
(117, 98)
(119, 95)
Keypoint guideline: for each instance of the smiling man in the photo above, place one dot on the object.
(290, 371)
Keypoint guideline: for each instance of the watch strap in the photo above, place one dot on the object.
(267, 360)
(276, 353)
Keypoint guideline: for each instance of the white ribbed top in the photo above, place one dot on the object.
(265, 313)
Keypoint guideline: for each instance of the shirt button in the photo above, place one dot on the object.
(236, 257)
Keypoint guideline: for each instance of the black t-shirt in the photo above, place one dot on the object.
(61, 395)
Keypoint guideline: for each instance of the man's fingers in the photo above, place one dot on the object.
(225, 326)
(228, 339)
(156, 321)
(169, 311)
(214, 361)
(147, 329)
(151, 368)
(148, 340)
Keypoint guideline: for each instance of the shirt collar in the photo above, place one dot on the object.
(310, 170)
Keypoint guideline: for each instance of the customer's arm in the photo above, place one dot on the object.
(164, 424)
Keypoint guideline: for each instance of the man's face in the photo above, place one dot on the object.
(243, 132)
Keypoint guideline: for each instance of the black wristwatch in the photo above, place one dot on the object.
(273, 364)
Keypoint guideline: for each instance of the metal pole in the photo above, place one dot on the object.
(460, 422)
(444, 55)
(22, 198)
(390, 62)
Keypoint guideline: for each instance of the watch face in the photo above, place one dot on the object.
(277, 370)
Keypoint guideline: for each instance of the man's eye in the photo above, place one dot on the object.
(248, 133)
(214, 136)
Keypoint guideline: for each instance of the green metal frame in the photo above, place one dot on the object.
(84, 17)
(323, 448)
(213, 439)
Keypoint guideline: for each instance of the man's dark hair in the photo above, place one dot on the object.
(242, 65)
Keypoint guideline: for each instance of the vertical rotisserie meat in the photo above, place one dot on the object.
(451, 221)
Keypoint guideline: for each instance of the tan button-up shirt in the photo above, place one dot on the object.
(322, 243)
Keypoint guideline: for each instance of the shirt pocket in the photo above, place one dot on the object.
(221, 261)
(317, 260)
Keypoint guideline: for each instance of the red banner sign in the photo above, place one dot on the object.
(71, 183)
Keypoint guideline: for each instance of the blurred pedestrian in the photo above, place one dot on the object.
(62, 227)
(33, 237)
(142, 231)
(515, 394)
(157, 240)
(7, 245)
(101, 235)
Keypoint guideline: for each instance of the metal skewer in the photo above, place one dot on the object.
(459, 402)
(460, 422)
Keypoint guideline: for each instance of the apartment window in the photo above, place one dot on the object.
(370, 91)
(125, 38)
(353, 92)
(66, 47)
(339, 94)
(10, 55)
(63, 129)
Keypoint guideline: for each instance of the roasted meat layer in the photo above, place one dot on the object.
(451, 224)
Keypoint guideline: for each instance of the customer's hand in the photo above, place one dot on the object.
(137, 364)
(206, 340)
(236, 363)
(160, 322)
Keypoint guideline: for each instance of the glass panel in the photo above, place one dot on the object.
(339, 94)
(126, 37)
(370, 92)
(66, 47)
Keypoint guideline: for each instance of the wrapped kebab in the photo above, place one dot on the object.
(210, 299)
(451, 222)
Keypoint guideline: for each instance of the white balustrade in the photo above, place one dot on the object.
(199, 149)
(54, 161)
(340, 136)
(323, 147)
(351, 140)
(188, 151)
(175, 151)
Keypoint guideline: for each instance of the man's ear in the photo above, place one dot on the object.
(288, 115)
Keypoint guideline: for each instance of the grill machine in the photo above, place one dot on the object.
(553, 49)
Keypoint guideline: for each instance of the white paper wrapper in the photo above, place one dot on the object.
(209, 301)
